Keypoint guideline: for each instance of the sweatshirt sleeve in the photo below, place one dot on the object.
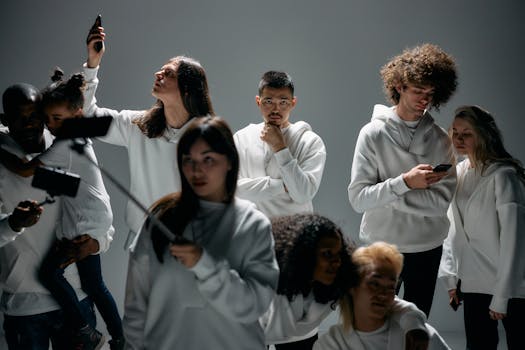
(285, 319)
(257, 188)
(434, 200)
(95, 216)
(242, 295)
(120, 129)
(137, 294)
(448, 269)
(408, 315)
(302, 174)
(7, 235)
(510, 207)
(364, 190)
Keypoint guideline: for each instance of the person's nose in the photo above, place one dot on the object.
(159, 74)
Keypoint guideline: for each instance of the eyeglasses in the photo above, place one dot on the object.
(279, 102)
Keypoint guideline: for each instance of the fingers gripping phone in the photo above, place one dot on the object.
(441, 167)
(94, 29)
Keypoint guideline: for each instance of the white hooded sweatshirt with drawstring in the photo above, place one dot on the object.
(413, 219)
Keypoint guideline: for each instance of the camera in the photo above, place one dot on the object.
(56, 182)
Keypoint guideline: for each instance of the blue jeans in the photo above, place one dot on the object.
(35, 331)
(89, 270)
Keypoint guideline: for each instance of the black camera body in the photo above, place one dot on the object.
(56, 182)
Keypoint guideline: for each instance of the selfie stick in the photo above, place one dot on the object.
(78, 146)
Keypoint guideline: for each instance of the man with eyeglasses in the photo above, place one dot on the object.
(281, 163)
(393, 183)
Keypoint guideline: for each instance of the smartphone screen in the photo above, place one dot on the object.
(441, 167)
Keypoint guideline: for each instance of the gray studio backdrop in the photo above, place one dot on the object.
(332, 49)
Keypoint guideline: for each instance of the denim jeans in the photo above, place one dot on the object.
(34, 332)
(89, 270)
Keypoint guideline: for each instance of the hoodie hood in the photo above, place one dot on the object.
(399, 132)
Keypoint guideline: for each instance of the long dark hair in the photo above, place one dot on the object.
(70, 91)
(296, 239)
(193, 88)
(489, 140)
(176, 210)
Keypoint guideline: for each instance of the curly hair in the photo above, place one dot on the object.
(422, 65)
(489, 140)
(296, 239)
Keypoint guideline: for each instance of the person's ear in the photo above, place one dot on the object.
(78, 113)
(294, 101)
(399, 88)
(258, 100)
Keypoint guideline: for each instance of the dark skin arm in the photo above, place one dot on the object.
(17, 165)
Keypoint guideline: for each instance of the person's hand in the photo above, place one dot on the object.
(496, 315)
(416, 339)
(453, 299)
(78, 248)
(273, 136)
(96, 34)
(187, 253)
(26, 214)
(421, 176)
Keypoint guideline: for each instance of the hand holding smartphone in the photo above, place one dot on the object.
(94, 29)
(441, 167)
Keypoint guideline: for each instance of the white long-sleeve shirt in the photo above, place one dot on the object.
(389, 337)
(289, 321)
(264, 174)
(89, 212)
(217, 303)
(485, 245)
(152, 161)
(413, 219)
(22, 253)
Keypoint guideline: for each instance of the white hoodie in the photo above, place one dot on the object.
(264, 174)
(485, 248)
(414, 220)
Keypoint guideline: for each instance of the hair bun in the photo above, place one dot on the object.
(76, 81)
(57, 75)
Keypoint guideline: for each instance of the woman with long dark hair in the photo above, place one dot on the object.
(151, 136)
(207, 286)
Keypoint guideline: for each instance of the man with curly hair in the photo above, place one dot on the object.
(392, 180)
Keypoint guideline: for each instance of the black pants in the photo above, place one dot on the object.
(482, 331)
(305, 344)
(419, 277)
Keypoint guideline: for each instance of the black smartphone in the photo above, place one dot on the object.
(441, 167)
(459, 296)
(98, 23)
(56, 182)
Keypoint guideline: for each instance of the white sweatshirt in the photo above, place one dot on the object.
(152, 161)
(414, 220)
(264, 174)
(286, 321)
(89, 212)
(485, 248)
(391, 337)
(22, 253)
(217, 303)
